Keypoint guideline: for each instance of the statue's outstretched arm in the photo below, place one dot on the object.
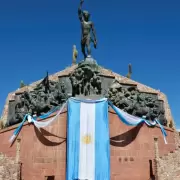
(80, 14)
(94, 33)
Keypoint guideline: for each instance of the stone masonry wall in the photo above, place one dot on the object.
(9, 169)
(168, 166)
(43, 153)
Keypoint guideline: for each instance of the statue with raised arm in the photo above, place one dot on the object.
(86, 27)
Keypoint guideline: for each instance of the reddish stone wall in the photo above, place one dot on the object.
(132, 149)
(44, 154)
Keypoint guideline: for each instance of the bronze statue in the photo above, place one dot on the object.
(1, 124)
(75, 54)
(129, 71)
(86, 26)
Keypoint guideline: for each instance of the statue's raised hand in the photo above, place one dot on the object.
(95, 44)
(82, 1)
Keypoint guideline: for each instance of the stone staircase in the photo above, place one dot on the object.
(168, 166)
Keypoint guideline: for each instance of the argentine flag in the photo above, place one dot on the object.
(88, 146)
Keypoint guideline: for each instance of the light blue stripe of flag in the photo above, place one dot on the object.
(102, 146)
(73, 128)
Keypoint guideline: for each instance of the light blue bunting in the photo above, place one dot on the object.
(134, 121)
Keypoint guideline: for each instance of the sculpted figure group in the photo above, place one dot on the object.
(86, 81)
(39, 101)
(136, 103)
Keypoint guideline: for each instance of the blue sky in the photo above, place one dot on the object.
(36, 36)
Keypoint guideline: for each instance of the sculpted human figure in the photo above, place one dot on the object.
(86, 26)
(20, 111)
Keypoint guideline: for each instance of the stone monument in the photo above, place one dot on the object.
(86, 80)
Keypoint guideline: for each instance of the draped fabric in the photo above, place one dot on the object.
(46, 123)
(88, 149)
(95, 116)
(37, 123)
(16, 132)
(88, 153)
(134, 121)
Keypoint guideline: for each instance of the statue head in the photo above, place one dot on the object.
(74, 46)
(86, 15)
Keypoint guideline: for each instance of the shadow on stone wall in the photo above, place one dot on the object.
(152, 176)
(126, 138)
(42, 137)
